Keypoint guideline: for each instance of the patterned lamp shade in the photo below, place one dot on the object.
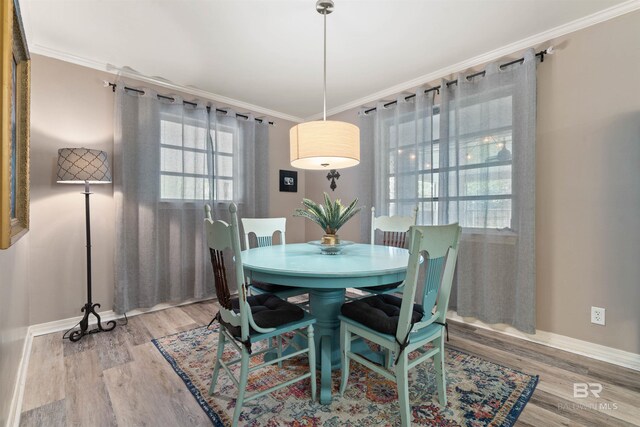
(80, 165)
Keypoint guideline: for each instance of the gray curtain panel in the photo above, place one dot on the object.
(396, 142)
(404, 147)
(170, 159)
(366, 177)
(496, 265)
(469, 158)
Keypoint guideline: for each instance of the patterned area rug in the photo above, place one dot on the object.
(480, 393)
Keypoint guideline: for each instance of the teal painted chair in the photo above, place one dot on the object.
(394, 231)
(264, 229)
(397, 324)
(246, 320)
(394, 228)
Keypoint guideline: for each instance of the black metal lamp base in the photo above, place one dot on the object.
(89, 308)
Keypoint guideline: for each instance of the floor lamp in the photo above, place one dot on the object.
(84, 166)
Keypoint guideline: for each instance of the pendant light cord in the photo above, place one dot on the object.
(324, 110)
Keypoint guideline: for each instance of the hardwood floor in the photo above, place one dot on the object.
(552, 403)
(120, 379)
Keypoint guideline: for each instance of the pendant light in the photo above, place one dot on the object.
(324, 144)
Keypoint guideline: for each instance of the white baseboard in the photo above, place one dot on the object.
(21, 380)
(561, 342)
(105, 316)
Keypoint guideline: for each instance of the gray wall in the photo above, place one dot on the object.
(69, 108)
(588, 184)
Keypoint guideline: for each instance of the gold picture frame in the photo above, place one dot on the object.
(15, 77)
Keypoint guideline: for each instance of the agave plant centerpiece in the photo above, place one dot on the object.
(330, 216)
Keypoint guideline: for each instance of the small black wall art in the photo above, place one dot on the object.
(289, 181)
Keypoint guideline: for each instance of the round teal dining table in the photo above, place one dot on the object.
(326, 276)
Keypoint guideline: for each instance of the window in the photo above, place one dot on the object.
(470, 182)
(196, 163)
(223, 155)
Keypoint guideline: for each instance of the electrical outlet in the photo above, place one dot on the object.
(597, 315)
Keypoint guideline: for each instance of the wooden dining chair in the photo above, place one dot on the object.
(398, 325)
(264, 229)
(246, 320)
(394, 233)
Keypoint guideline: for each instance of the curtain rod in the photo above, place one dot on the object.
(541, 54)
(168, 98)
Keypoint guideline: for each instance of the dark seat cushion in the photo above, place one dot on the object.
(268, 311)
(269, 287)
(379, 312)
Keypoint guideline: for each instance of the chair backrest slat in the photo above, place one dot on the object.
(264, 229)
(220, 278)
(265, 241)
(394, 238)
(394, 228)
(433, 278)
(438, 244)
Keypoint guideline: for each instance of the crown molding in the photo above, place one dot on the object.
(239, 106)
(570, 27)
(67, 57)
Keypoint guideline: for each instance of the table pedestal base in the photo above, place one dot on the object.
(325, 306)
